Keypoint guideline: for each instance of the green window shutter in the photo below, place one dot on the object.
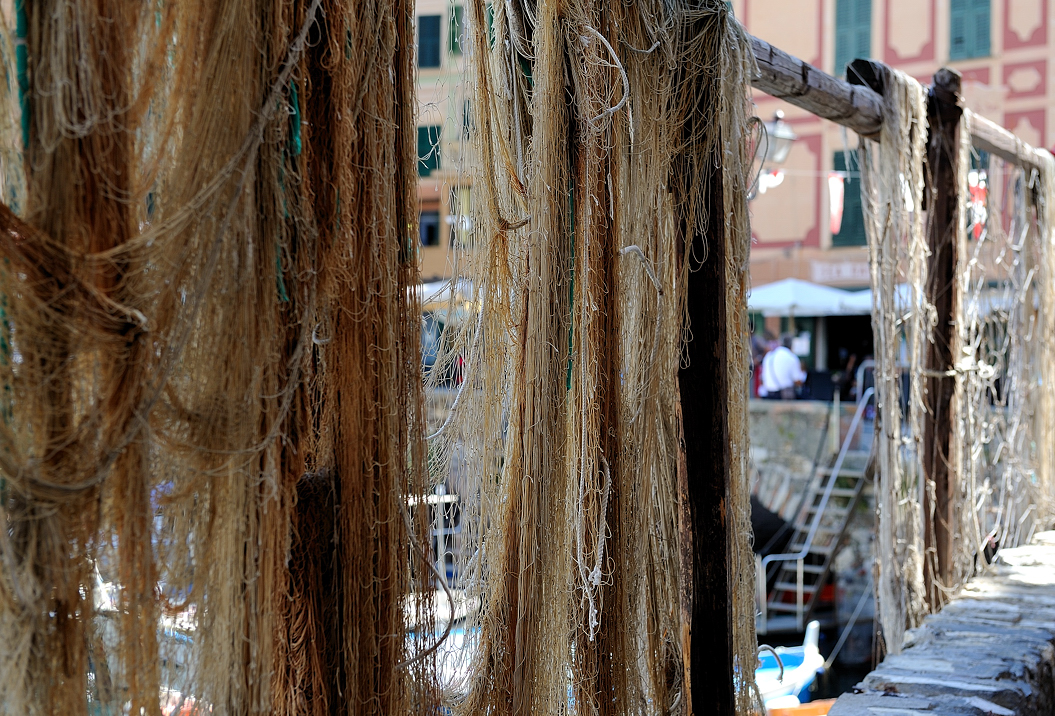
(982, 32)
(843, 41)
(428, 150)
(852, 231)
(757, 323)
(429, 41)
(457, 27)
(863, 30)
(969, 29)
(842, 36)
(957, 29)
(980, 160)
(853, 32)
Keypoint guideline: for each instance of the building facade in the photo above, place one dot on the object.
(1003, 48)
(443, 118)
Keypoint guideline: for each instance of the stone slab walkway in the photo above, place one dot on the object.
(989, 652)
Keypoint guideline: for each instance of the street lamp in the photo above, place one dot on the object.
(780, 139)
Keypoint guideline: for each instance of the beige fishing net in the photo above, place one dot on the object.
(892, 190)
(595, 131)
(1042, 214)
(214, 477)
(211, 420)
(1001, 342)
(1004, 403)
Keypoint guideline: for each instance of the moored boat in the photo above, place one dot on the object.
(801, 664)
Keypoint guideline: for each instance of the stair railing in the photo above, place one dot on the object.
(762, 563)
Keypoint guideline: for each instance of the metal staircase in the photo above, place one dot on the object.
(802, 571)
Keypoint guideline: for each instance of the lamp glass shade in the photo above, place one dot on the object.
(780, 140)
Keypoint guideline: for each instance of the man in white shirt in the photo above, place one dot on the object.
(781, 373)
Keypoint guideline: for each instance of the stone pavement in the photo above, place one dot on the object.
(989, 652)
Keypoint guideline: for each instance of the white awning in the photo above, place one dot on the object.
(793, 297)
(988, 301)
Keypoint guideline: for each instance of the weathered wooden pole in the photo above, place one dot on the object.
(704, 468)
(944, 110)
(704, 459)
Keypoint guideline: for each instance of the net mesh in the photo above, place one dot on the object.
(210, 360)
(892, 192)
(1004, 339)
(999, 459)
(215, 482)
(594, 133)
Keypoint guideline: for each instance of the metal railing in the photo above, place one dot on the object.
(762, 563)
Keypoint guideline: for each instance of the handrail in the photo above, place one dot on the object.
(763, 565)
(827, 490)
(860, 375)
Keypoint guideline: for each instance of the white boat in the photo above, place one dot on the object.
(801, 666)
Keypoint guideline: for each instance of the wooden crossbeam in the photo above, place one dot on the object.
(788, 78)
(859, 108)
(989, 136)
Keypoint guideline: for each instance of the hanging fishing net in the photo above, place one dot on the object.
(1004, 338)
(553, 392)
(214, 477)
(892, 191)
(212, 414)
(999, 341)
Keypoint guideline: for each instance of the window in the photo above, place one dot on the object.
(852, 231)
(467, 118)
(458, 219)
(491, 25)
(431, 335)
(428, 150)
(429, 41)
(853, 32)
(968, 29)
(978, 194)
(429, 228)
(456, 30)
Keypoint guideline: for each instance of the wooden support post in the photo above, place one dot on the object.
(704, 468)
(944, 109)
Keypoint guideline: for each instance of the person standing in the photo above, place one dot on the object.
(759, 348)
(782, 372)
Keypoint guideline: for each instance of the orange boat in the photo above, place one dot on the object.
(813, 708)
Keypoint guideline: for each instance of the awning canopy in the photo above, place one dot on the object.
(860, 302)
(986, 302)
(794, 297)
(438, 294)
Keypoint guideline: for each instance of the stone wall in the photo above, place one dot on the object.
(785, 436)
(989, 652)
